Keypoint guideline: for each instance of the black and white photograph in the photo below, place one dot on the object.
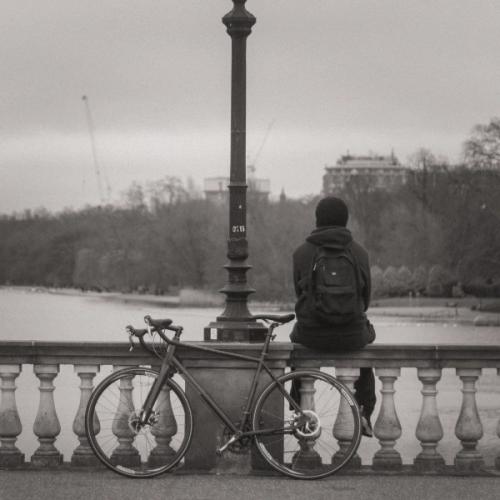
(249, 249)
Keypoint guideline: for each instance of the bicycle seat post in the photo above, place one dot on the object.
(269, 337)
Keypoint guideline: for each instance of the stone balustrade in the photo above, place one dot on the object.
(424, 364)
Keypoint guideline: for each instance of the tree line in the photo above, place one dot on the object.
(438, 234)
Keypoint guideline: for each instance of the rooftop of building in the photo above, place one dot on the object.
(366, 162)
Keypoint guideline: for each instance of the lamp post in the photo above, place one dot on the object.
(236, 322)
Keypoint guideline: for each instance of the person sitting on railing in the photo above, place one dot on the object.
(332, 283)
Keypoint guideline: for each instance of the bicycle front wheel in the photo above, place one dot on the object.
(316, 441)
(120, 441)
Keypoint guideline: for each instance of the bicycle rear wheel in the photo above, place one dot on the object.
(311, 447)
(111, 424)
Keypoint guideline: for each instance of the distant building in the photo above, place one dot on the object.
(377, 172)
(216, 189)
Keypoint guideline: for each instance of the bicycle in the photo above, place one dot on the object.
(306, 424)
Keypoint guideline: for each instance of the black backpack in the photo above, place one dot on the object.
(335, 286)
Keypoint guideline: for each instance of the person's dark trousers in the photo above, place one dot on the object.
(364, 391)
(364, 387)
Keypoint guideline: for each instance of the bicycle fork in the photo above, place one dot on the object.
(147, 409)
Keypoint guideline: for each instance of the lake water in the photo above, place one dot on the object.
(42, 316)
(45, 316)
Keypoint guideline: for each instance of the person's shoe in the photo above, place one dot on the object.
(366, 427)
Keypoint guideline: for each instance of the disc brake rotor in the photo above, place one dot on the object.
(311, 427)
(134, 421)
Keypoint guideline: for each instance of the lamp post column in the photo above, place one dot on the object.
(236, 323)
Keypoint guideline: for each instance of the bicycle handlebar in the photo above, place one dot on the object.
(154, 326)
(161, 324)
(136, 332)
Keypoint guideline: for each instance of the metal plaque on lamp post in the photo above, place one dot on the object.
(236, 322)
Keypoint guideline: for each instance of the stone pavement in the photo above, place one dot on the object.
(103, 485)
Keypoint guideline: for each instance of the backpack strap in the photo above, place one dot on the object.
(358, 275)
(312, 281)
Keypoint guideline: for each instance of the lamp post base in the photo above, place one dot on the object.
(235, 331)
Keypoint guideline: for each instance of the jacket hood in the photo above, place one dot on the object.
(330, 236)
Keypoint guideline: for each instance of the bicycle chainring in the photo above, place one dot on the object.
(240, 446)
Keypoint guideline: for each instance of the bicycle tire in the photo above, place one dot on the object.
(112, 411)
(334, 431)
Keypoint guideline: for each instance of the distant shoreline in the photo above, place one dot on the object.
(118, 296)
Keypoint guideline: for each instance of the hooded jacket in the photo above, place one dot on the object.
(308, 331)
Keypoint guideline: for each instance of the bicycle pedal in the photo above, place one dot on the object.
(219, 451)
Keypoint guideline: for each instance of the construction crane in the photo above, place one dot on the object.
(251, 167)
(97, 168)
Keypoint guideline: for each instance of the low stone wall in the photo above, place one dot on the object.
(228, 379)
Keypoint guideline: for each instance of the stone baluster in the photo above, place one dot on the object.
(83, 454)
(429, 429)
(10, 423)
(497, 459)
(125, 453)
(307, 456)
(387, 428)
(469, 428)
(343, 429)
(164, 429)
(46, 426)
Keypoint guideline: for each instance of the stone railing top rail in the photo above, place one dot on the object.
(381, 355)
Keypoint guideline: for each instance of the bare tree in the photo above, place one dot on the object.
(482, 149)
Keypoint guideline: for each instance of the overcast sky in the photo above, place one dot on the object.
(330, 75)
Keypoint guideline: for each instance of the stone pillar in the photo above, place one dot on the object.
(387, 428)
(83, 454)
(343, 429)
(469, 428)
(125, 453)
(46, 426)
(497, 459)
(163, 430)
(228, 381)
(10, 423)
(307, 456)
(429, 429)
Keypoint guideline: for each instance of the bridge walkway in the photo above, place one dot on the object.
(64, 484)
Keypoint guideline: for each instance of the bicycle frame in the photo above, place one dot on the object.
(170, 359)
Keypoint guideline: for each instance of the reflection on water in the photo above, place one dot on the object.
(50, 317)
